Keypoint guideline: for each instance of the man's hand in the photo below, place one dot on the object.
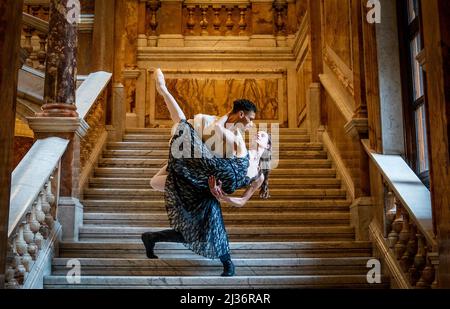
(216, 188)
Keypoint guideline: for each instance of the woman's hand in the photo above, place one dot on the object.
(216, 188)
(160, 82)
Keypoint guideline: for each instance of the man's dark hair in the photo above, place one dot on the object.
(244, 105)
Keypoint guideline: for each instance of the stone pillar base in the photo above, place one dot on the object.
(142, 40)
(171, 40)
(70, 216)
(361, 216)
(132, 120)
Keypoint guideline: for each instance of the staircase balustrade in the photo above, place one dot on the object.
(406, 221)
(33, 228)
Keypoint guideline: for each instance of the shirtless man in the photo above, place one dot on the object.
(227, 126)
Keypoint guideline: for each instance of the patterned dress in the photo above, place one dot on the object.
(192, 209)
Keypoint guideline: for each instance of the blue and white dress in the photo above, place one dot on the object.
(192, 209)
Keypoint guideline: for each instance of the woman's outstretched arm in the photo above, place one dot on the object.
(216, 190)
(176, 113)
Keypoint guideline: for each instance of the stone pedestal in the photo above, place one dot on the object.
(116, 131)
(361, 216)
(313, 110)
(70, 216)
(72, 129)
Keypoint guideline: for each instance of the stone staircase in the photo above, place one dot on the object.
(300, 237)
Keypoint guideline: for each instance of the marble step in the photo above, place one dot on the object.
(232, 218)
(202, 282)
(135, 249)
(164, 145)
(163, 154)
(236, 233)
(288, 138)
(168, 130)
(136, 194)
(275, 206)
(283, 163)
(146, 172)
(319, 183)
(206, 267)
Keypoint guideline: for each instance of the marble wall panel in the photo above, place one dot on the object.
(216, 96)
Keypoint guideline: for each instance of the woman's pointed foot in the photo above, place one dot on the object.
(149, 244)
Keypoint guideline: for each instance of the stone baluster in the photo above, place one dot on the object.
(419, 260)
(280, 23)
(396, 227)
(190, 24)
(229, 22)
(204, 22)
(242, 21)
(28, 34)
(46, 12)
(22, 250)
(403, 236)
(42, 54)
(13, 272)
(48, 199)
(217, 23)
(411, 249)
(390, 210)
(152, 7)
(427, 275)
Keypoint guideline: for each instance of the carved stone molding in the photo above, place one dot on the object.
(343, 73)
(357, 126)
(131, 73)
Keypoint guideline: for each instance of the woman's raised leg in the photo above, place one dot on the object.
(176, 113)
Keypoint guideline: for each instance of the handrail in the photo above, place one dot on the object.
(89, 91)
(35, 22)
(408, 188)
(30, 176)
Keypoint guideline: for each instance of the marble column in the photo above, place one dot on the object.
(61, 66)
(59, 115)
(10, 28)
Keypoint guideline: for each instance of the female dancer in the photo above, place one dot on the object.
(191, 192)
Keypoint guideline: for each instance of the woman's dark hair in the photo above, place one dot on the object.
(264, 166)
(244, 105)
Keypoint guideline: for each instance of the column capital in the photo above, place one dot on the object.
(58, 125)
